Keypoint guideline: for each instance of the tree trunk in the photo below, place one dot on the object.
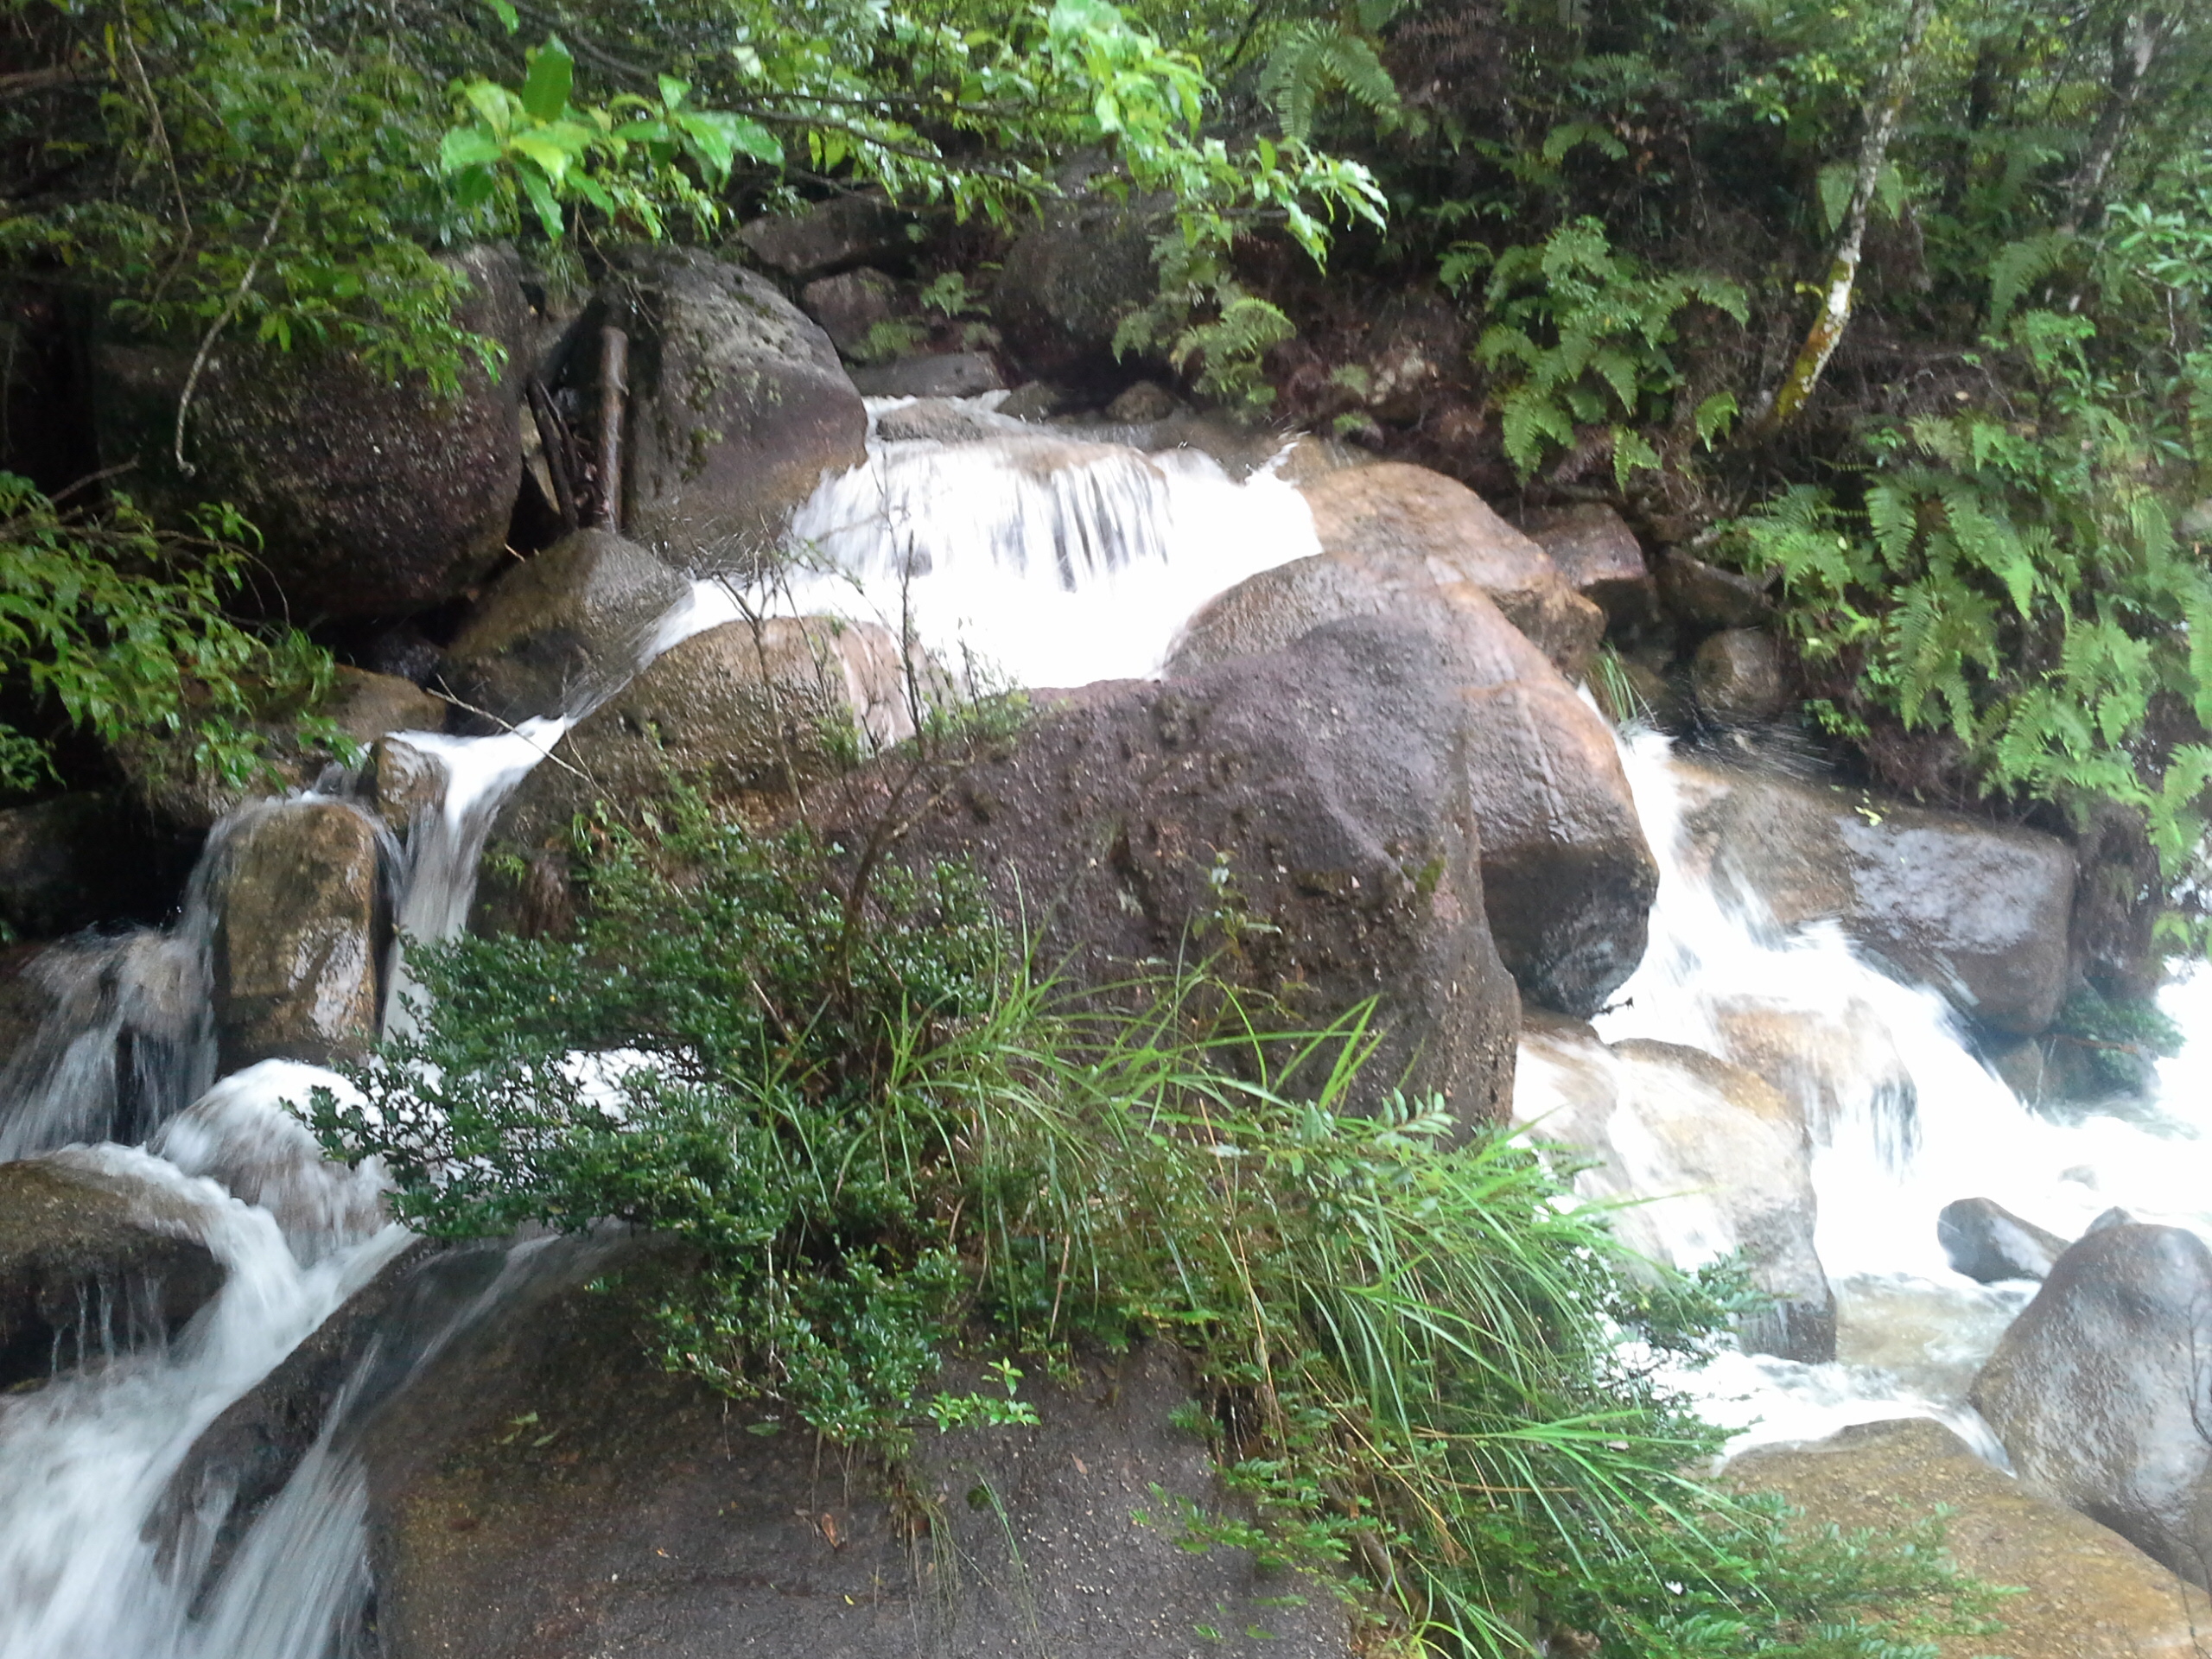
(1884, 111)
(2136, 37)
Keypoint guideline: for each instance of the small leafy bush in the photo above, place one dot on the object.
(115, 628)
(885, 1140)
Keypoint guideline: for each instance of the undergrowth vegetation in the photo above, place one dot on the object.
(1430, 1382)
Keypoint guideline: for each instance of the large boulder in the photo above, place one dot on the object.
(1567, 877)
(77, 859)
(1978, 909)
(1715, 1159)
(2084, 1593)
(738, 405)
(538, 1488)
(302, 920)
(1988, 1243)
(2099, 1390)
(164, 780)
(91, 1254)
(1395, 512)
(1305, 813)
(931, 374)
(830, 235)
(373, 496)
(747, 712)
(558, 628)
(1067, 283)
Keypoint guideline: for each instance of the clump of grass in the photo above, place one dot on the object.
(885, 1143)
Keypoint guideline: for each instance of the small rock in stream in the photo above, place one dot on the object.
(1988, 1243)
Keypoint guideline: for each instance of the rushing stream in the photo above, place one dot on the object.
(1059, 561)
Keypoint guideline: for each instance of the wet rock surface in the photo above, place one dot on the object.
(1598, 556)
(828, 236)
(1724, 1159)
(938, 374)
(1989, 1243)
(1737, 675)
(1568, 878)
(2099, 1390)
(1702, 596)
(1067, 284)
(2086, 1592)
(1978, 909)
(85, 858)
(1102, 828)
(302, 921)
(738, 712)
(372, 497)
(738, 405)
(91, 1259)
(558, 627)
(1394, 511)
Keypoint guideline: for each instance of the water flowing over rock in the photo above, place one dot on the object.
(374, 497)
(2099, 1391)
(92, 1263)
(1392, 511)
(738, 406)
(302, 920)
(1566, 877)
(559, 629)
(1977, 909)
(1129, 818)
(1720, 1161)
(1986, 1241)
(2086, 1592)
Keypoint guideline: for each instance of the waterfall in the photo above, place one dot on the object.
(1904, 1120)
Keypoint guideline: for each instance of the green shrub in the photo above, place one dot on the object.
(885, 1139)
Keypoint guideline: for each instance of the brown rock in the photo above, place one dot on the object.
(2086, 1592)
(87, 1252)
(1715, 1160)
(732, 711)
(1599, 556)
(1568, 878)
(1395, 511)
(557, 628)
(851, 305)
(1705, 596)
(1132, 824)
(828, 236)
(936, 374)
(372, 496)
(1066, 283)
(1988, 1243)
(1737, 675)
(301, 925)
(404, 783)
(1147, 400)
(738, 406)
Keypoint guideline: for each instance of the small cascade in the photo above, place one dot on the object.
(1046, 560)
(1904, 1118)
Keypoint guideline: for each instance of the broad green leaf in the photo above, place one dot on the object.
(552, 72)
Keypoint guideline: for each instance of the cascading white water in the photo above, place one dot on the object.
(1905, 1120)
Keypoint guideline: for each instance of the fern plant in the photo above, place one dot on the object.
(2019, 585)
(1313, 57)
(1578, 340)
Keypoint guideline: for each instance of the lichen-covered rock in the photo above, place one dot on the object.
(301, 923)
(86, 1251)
(372, 496)
(2084, 1591)
(1715, 1160)
(738, 406)
(1737, 675)
(1393, 511)
(1568, 878)
(1978, 909)
(739, 712)
(2099, 1390)
(1319, 791)
(558, 627)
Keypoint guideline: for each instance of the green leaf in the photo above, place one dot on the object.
(1713, 416)
(467, 147)
(535, 186)
(552, 72)
(509, 18)
(1632, 453)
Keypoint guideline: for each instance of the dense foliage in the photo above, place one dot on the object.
(886, 1143)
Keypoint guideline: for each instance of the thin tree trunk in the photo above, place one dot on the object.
(614, 388)
(2136, 39)
(1884, 111)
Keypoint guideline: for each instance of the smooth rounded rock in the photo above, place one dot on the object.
(1599, 556)
(1989, 1243)
(1737, 675)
